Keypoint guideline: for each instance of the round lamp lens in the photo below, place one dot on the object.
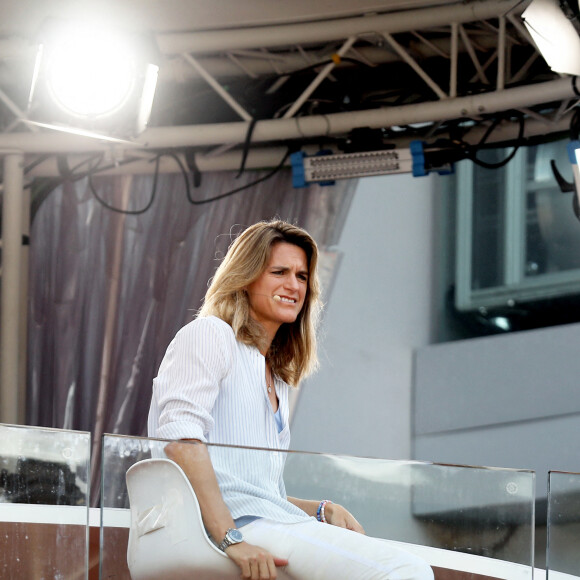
(91, 75)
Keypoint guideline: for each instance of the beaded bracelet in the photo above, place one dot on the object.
(320, 511)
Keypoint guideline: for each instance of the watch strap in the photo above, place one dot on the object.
(229, 540)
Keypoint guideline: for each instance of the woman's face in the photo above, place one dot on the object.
(277, 296)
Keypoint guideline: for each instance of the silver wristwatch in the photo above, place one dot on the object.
(233, 536)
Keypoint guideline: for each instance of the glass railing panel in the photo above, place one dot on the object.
(563, 533)
(479, 511)
(44, 475)
(119, 454)
(474, 520)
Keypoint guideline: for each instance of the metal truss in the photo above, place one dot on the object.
(466, 71)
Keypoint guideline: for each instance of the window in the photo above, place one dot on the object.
(517, 242)
(517, 236)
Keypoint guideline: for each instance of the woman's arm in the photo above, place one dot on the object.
(193, 458)
(334, 513)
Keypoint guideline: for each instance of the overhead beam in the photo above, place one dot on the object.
(261, 158)
(302, 127)
(219, 41)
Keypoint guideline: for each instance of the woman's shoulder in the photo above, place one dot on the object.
(209, 326)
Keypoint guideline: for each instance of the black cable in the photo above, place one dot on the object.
(471, 152)
(69, 174)
(227, 193)
(574, 86)
(246, 148)
(35, 163)
(193, 168)
(94, 163)
(575, 124)
(127, 211)
(489, 130)
(54, 183)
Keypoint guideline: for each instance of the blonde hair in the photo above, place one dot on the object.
(292, 354)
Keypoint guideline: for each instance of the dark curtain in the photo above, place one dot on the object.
(108, 290)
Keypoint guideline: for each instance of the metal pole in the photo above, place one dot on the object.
(10, 304)
(454, 60)
(319, 78)
(414, 65)
(501, 48)
(303, 127)
(472, 55)
(217, 88)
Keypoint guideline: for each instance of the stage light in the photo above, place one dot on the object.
(555, 34)
(322, 168)
(92, 77)
(325, 168)
(90, 74)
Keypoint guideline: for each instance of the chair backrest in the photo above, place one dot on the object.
(167, 538)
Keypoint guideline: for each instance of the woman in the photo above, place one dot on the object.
(225, 379)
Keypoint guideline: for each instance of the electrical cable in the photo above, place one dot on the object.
(489, 131)
(128, 211)
(246, 148)
(193, 168)
(93, 162)
(227, 193)
(471, 151)
(574, 86)
(53, 183)
(68, 174)
(575, 124)
(35, 163)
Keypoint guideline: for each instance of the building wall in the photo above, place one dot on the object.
(507, 401)
(503, 401)
(379, 311)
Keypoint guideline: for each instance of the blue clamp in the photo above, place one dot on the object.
(297, 161)
(298, 173)
(418, 154)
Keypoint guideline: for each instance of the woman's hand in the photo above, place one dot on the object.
(336, 515)
(254, 562)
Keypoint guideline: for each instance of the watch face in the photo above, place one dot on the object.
(235, 535)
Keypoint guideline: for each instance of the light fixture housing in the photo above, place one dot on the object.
(574, 157)
(329, 167)
(93, 77)
(326, 167)
(554, 34)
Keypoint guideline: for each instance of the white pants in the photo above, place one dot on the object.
(317, 551)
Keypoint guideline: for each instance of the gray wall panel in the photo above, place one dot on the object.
(359, 403)
(544, 445)
(494, 380)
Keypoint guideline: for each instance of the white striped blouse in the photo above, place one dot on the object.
(213, 388)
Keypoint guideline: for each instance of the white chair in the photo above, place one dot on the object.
(167, 539)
